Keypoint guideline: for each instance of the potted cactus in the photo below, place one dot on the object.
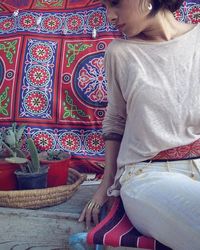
(30, 175)
(58, 163)
(10, 142)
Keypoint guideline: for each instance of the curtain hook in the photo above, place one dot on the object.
(15, 13)
(38, 20)
(64, 31)
(94, 33)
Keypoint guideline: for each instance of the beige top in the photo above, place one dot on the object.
(153, 96)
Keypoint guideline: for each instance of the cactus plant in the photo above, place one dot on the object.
(30, 166)
(58, 163)
(31, 175)
(11, 140)
(56, 155)
(13, 136)
(35, 163)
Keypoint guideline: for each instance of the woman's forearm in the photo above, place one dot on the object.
(112, 150)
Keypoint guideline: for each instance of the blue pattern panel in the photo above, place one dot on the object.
(37, 84)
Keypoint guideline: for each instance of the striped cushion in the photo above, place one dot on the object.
(116, 230)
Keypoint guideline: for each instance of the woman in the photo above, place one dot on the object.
(152, 123)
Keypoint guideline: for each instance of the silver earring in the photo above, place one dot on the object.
(150, 7)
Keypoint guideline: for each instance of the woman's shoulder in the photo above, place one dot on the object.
(118, 47)
(116, 44)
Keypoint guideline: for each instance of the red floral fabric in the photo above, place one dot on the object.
(51, 71)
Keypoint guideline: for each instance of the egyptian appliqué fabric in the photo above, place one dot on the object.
(189, 12)
(52, 75)
(47, 4)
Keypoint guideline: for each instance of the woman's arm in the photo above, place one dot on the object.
(112, 145)
(113, 129)
(100, 197)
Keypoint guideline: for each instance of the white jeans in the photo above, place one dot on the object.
(163, 201)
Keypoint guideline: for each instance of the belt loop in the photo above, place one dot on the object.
(195, 166)
(167, 165)
(148, 164)
(192, 175)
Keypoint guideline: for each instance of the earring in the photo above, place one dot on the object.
(150, 7)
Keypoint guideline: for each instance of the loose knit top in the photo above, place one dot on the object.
(153, 96)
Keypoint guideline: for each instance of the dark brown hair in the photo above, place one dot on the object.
(171, 5)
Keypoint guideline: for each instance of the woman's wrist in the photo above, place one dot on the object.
(107, 180)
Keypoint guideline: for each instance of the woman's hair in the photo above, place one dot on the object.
(171, 5)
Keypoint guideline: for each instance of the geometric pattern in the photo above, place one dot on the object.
(60, 23)
(58, 89)
(52, 75)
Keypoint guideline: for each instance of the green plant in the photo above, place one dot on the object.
(56, 155)
(35, 162)
(31, 165)
(11, 141)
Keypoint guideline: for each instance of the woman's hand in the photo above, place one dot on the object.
(92, 209)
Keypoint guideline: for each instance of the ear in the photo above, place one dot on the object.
(146, 7)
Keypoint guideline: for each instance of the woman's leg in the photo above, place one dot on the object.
(165, 206)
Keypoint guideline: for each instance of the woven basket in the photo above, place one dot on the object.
(38, 198)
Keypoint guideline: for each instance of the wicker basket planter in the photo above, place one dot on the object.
(38, 198)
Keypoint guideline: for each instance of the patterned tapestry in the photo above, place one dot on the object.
(52, 76)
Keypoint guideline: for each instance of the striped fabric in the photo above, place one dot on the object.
(116, 230)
